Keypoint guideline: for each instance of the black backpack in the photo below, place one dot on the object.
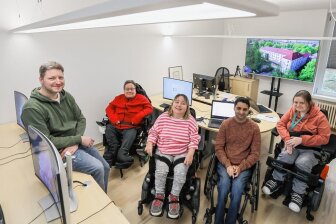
(140, 90)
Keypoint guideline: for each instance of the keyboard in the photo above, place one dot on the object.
(263, 109)
(164, 105)
(215, 123)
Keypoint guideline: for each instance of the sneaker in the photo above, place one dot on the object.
(271, 186)
(157, 204)
(296, 202)
(174, 207)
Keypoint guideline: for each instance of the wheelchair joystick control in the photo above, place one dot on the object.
(147, 179)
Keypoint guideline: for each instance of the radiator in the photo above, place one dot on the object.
(331, 108)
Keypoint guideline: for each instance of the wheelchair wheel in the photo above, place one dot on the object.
(207, 217)
(145, 190)
(193, 219)
(140, 208)
(209, 175)
(196, 196)
(257, 187)
(316, 197)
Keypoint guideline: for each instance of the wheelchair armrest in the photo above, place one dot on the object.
(331, 146)
(147, 121)
(104, 121)
(275, 132)
(100, 123)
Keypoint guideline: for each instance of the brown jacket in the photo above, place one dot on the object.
(238, 143)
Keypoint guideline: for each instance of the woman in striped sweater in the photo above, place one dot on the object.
(176, 135)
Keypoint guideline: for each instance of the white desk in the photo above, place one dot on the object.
(20, 189)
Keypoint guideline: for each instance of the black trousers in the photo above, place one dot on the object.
(119, 142)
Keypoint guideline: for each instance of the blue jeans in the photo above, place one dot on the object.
(236, 188)
(89, 161)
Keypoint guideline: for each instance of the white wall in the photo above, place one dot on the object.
(98, 61)
(288, 24)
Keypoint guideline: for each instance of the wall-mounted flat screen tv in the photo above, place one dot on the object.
(282, 58)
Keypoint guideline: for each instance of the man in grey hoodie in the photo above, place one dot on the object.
(56, 114)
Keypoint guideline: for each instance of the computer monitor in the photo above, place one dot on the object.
(49, 168)
(172, 87)
(20, 99)
(204, 83)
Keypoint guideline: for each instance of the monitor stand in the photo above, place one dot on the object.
(47, 203)
(72, 196)
(24, 137)
(50, 208)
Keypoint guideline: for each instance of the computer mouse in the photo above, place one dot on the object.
(257, 120)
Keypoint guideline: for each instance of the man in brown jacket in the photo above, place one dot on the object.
(237, 150)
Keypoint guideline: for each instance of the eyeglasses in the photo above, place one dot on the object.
(129, 89)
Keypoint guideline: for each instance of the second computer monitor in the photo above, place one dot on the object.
(172, 87)
(204, 83)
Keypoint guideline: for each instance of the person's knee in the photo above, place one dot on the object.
(98, 169)
(237, 191)
(162, 172)
(304, 163)
(106, 167)
(180, 178)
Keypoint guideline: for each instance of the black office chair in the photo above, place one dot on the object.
(223, 79)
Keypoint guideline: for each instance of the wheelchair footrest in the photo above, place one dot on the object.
(124, 165)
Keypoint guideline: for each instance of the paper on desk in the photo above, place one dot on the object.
(269, 118)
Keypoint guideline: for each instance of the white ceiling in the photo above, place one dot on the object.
(293, 5)
(39, 13)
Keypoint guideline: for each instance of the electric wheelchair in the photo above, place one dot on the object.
(314, 180)
(251, 193)
(139, 143)
(190, 193)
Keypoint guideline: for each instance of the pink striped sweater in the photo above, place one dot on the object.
(174, 136)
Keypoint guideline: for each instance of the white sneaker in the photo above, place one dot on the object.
(294, 207)
(296, 202)
(266, 190)
(271, 186)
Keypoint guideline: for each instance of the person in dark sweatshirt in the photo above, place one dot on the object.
(237, 150)
(55, 113)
